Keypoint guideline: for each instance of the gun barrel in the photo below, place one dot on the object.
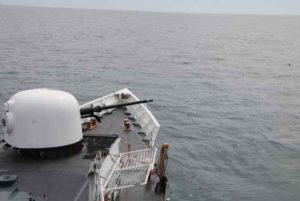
(90, 110)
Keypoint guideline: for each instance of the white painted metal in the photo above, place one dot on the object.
(105, 170)
(142, 115)
(110, 159)
(131, 169)
(42, 118)
(140, 112)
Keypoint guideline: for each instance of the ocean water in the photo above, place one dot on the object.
(226, 87)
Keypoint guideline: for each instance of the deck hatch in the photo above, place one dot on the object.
(131, 169)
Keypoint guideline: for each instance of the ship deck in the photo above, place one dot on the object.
(67, 178)
(112, 124)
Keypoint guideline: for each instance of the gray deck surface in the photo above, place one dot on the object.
(65, 179)
(113, 124)
(58, 179)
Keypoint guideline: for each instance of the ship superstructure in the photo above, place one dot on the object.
(54, 149)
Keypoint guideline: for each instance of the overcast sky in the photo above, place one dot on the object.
(285, 7)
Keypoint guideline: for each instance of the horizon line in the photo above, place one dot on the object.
(146, 11)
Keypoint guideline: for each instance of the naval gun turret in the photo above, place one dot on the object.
(41, 118)
(47, 118)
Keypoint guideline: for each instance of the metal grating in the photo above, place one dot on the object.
(131, 169)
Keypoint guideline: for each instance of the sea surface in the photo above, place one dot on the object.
(226, 87)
